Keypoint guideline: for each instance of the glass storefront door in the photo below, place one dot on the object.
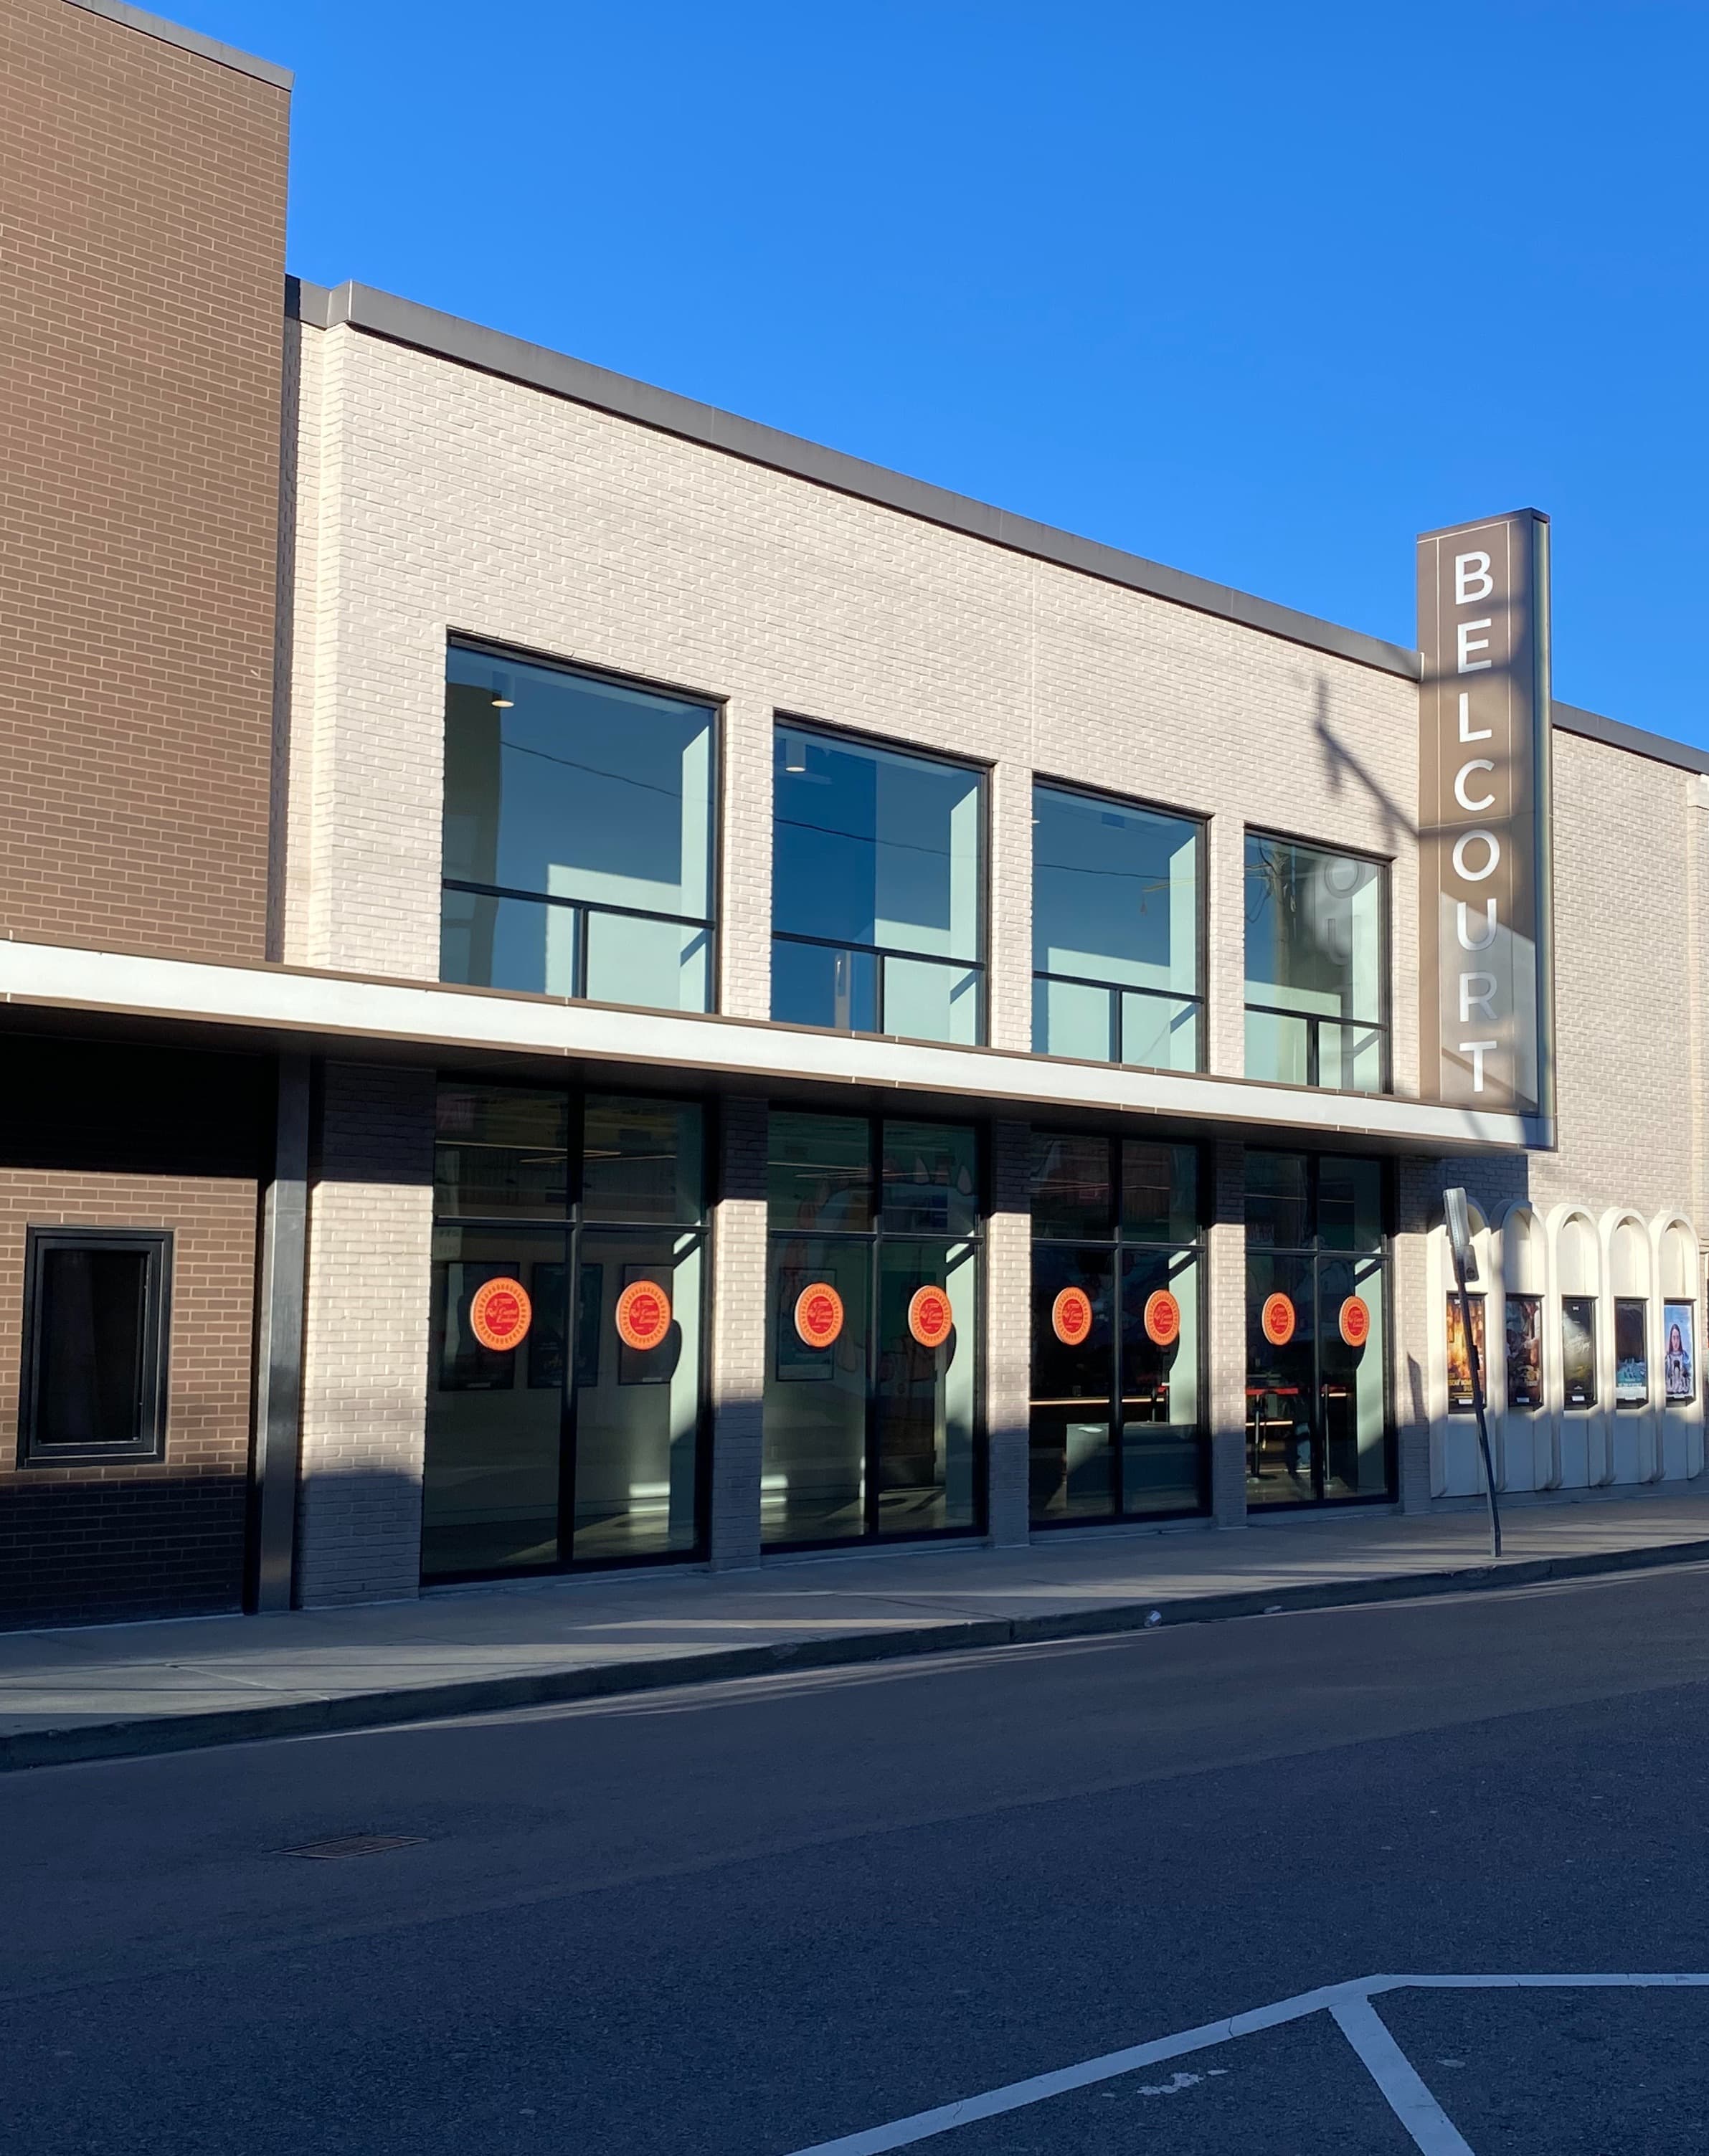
(564, 1389)
(872, 1403)
(1118, 1364)
(1317, 1420)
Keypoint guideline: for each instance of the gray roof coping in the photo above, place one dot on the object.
(189, 41)
(1615, 733)
(404, 321)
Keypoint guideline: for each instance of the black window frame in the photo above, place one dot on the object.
(1315, 1251)
(784, 723)
(573, 1225)
(1117, 1240)
(1201, 930)
(1383, 1024)
(149, 1442)
(874, 1237)
(516, 655)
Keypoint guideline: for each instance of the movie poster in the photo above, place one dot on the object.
(1525, 1350)
(1679, 1354)
(1460, 1368)
(1578, 1351)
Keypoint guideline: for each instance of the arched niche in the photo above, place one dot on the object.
(1456, 1464)
(1575, 1322)
(1678, 1273)
(1518, 1351)
(1628, 1347)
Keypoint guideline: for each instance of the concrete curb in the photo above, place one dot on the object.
(147, 1736)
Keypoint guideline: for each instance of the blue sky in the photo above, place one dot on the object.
(1257, 291)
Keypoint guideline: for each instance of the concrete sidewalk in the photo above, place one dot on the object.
(114, 1689)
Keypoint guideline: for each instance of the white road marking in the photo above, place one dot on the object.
(1403, 2091)
(1039, 2088)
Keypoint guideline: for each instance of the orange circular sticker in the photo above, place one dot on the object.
(499, 1312)
(929, 1316)
(1355, 1321)
(819, 1314)
(1071, 1316)
(1278, 1320)
(643, 1314)
(1162, 1318)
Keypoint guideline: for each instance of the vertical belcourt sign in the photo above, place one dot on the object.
(1484, 914)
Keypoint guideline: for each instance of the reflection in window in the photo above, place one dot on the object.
(1115, 940)
(578, 835)
(878, 870)
(1315, 926)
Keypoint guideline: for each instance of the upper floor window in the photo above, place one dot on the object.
(1316, 932)
(877, 890)
(578, 835)
(1115, 933)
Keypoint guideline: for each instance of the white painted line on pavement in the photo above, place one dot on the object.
(1334, 1999)
(1403, 2091)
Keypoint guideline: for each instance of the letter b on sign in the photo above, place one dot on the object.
(1472, 580)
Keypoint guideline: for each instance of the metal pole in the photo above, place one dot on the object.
(1474, 1363)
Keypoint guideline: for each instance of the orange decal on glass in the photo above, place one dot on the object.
(1278, 1320)
(1355, 1321)
(1071, 1316)
(500, 1313)
(643, 1314)
(1162, 1318)
(929, 1316)
(819, 1314)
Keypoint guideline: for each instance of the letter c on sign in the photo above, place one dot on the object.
(1476, 875)
(1477, 764)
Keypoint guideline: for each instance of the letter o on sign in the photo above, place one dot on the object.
(1278, 1320)
(1355, 1321)
(818, 1314)
(929, 1316)
(1071, 1316)
(1162, 1318)
(1491, 863)
(643, 1315)
(500, 1313)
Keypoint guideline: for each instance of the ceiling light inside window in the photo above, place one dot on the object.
(794, 752)
(504, 703)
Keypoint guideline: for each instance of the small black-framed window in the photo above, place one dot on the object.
(96, 1320)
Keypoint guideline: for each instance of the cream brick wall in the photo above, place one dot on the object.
(441, 499)
(364, 1397)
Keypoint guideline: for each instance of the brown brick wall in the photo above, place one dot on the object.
(141, 335)
(134, 1539)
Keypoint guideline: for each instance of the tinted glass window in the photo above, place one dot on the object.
(930, 1180)
(1071, 1184)
(1349, 1204)
(1158, 1192)
(561, 787)
(819, 1172)
(93, 1309)
(502, 1152)
(641, 1159)
(1276, 1201)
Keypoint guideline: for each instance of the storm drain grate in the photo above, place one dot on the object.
(356, 1845)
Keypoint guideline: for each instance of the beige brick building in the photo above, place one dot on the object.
(740, 1002)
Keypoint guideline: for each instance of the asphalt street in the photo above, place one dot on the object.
(748, 1919)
